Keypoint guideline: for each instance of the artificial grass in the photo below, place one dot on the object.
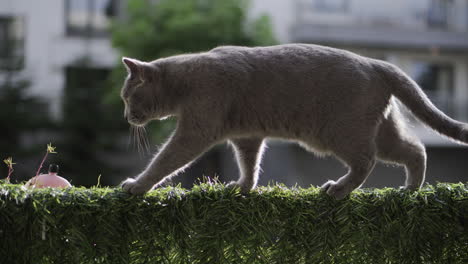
(212, 224)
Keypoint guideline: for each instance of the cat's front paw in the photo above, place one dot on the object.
(134, 186)
(243, 188)
(335, 190)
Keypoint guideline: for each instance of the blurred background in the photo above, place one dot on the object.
(60, 77)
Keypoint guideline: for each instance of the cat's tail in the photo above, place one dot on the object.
(411, 95)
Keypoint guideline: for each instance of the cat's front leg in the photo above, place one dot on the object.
(176, 155)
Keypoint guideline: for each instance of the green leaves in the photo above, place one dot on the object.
(213, 224)
(163, 28)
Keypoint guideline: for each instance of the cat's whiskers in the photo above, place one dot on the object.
(140, 139)
(134, 134)
(146, 143)
(130, 137)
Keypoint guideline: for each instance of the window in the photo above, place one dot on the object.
(89, 17)
(11, 41)
(5, 37)
(332, 6)
(437, 80)
(438, 13)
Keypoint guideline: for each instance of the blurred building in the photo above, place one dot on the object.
(57, 37)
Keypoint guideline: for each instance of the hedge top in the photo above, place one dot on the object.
(213, 224)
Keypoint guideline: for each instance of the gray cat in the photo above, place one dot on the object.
(331, 101)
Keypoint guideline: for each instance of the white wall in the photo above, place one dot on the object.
(48, 50)
(396, 13)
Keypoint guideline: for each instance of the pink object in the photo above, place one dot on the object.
(52, 179)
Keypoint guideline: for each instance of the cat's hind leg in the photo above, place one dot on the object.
(395, 145)
(358, 154)
(249, 152)
(359, 168)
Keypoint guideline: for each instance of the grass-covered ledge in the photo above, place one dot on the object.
(211, 224)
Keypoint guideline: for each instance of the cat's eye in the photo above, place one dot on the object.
(139, 82)
(137, 79)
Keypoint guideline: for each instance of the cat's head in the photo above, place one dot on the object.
(138, 92)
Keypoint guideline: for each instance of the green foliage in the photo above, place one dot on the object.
(155, 29)
(89, 127)
(212, 224)
(22, 114)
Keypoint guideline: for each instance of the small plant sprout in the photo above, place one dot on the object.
(9, 163)
(51, 150)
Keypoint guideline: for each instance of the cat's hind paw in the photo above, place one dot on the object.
(134, 186)
(243, 188)
(335, 189)
(409, 188)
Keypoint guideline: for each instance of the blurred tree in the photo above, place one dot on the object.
(90, 129)
(22, 114)
(155, 29)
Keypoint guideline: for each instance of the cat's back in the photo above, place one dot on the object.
(286, 53)
(284, 64)
(285, 59)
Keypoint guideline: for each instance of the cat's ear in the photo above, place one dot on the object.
(132, 65)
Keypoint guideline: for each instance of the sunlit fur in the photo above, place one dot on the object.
(332, 101)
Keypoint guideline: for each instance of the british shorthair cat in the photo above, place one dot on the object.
(331, 101)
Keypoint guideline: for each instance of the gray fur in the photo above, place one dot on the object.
(331, 101)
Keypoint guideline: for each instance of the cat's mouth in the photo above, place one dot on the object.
(136, 121)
